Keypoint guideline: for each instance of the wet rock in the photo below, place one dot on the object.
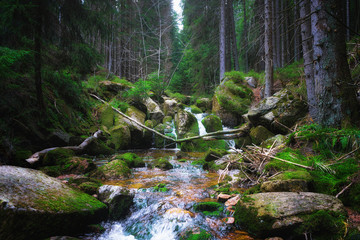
(171, 107)
(223, 197)
(232, 201)
(212, 123)
(179, 211)
(113, 170)
(260, 134)
(291, 185)
(162, 163)
(36, 206)
(229, 220)
(195, 109)
(205, 104)
(131, 159)
(214, 154)
(119, 200)
(278, 112)
(153, 110)
(263, 214)
(120, 137)
(186, 123)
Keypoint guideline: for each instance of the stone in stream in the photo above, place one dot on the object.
(289, 214)
(114, 170)
(118, 199)
(35, 206)
(223, 197)
(180, 212)
(212, 123)
(153, 110)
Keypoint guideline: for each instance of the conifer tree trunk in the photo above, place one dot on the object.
(233, 36)
(334, 88)
(37, 55)
(268, 49)
(308, 57)
(245, 37)
(277, 43)
(222, 39)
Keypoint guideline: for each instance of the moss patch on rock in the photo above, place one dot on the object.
(113, 170)
(260, 134)
(213, 209)
(162, 163)
(212, 123)
(131, 159)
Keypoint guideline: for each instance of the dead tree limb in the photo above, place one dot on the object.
(36, 156)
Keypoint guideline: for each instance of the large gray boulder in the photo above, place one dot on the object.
(35, 206)
(278, 112)
(263, 214)
(186, 123)
(119, 200)
(171, 106)
(153, 110)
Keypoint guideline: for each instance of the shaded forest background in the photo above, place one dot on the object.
(51, 50)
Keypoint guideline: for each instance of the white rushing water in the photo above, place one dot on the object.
(199, 118)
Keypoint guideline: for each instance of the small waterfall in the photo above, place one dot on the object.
(230, 143)
(199, 118)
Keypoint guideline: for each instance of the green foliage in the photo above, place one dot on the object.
(328, 141)
(84, 58)
(290, 73)
(139, 92)
(10, 62)
(290, 155)
(236, 76)
(118, 104)
(177, 96)
(157, 84)
(132, 160)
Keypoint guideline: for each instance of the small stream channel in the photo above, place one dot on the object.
(169, 215)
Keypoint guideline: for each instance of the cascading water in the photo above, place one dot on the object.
(165, 215)
(199, 118)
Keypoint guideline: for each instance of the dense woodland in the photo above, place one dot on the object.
(124, 75)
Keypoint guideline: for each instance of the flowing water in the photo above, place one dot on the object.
(168, 215)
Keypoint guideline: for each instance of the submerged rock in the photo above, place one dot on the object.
(264, 214)
(35, 206)
(118, 199)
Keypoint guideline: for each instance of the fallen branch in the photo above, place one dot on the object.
(344, 189)
(239, 131)
(283, 160)
(36, 156)
(344, 156)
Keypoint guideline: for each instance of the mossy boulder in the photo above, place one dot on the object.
(118, 199)
(260, 134)
(107, 116)
(195, 109)
(186, 123)
(212, 123)
(171, 107)
(231, 100)
(120, 137)
(162, 163)
(61, 161)
(98, 147)
(205, 104)
(167, 119)
(153, 110)
(113, 170)
(242, 141)
(214, 154)
(131, 159)
(279, 112)
(290, 214)
(166, 129)
(290, 185)
(275, 141)
(214, 209)
(36, 206)
(136, 114)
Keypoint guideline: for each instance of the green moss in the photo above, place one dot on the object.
(212, 123)
(162, 163)
(200, 145)
(214, 154)
(178, 96)
(299, 174)
(260, 134)
(116, 169)
(90, 187)
(107, 116)
(57, 156)
(167, 119)
(203, 235)
(247, 218)
(236, 76)
(214, 209)
(323, 225)
(161, 187)
(132, 160)
(290, 155)
(195, 109)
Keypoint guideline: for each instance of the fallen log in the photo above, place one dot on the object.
(78, 149)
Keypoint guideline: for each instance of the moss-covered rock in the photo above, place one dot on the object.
(205, 104)
(167, 119)
(161, 187)
(291, 185)
(260, 134)
(195, 234)
(200, 145)
(118, 199)
(98, 147)
(212, 123)
(195, 109)
(57, 156)
(243, 141)
(107, 116)
(136, 114)
(162, 163)
(288, 214)
(171, 107)
(120, 137)
(214, 154)
(131, 159)
(214, 209)
(186, 123)
(113, 170)
(36, 206)
(278, 112)
(275, 141)
(166, 129)
(231, 100)
(153, 110)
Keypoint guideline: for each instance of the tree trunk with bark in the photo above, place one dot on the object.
(308, 57)
(335, 91)
(268, 49)
(233, 36)
(246, 63)
(222, 40)
(37, 56)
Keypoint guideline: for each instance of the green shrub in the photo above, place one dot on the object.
(139, 92)
(236, 76)
(177, 96)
